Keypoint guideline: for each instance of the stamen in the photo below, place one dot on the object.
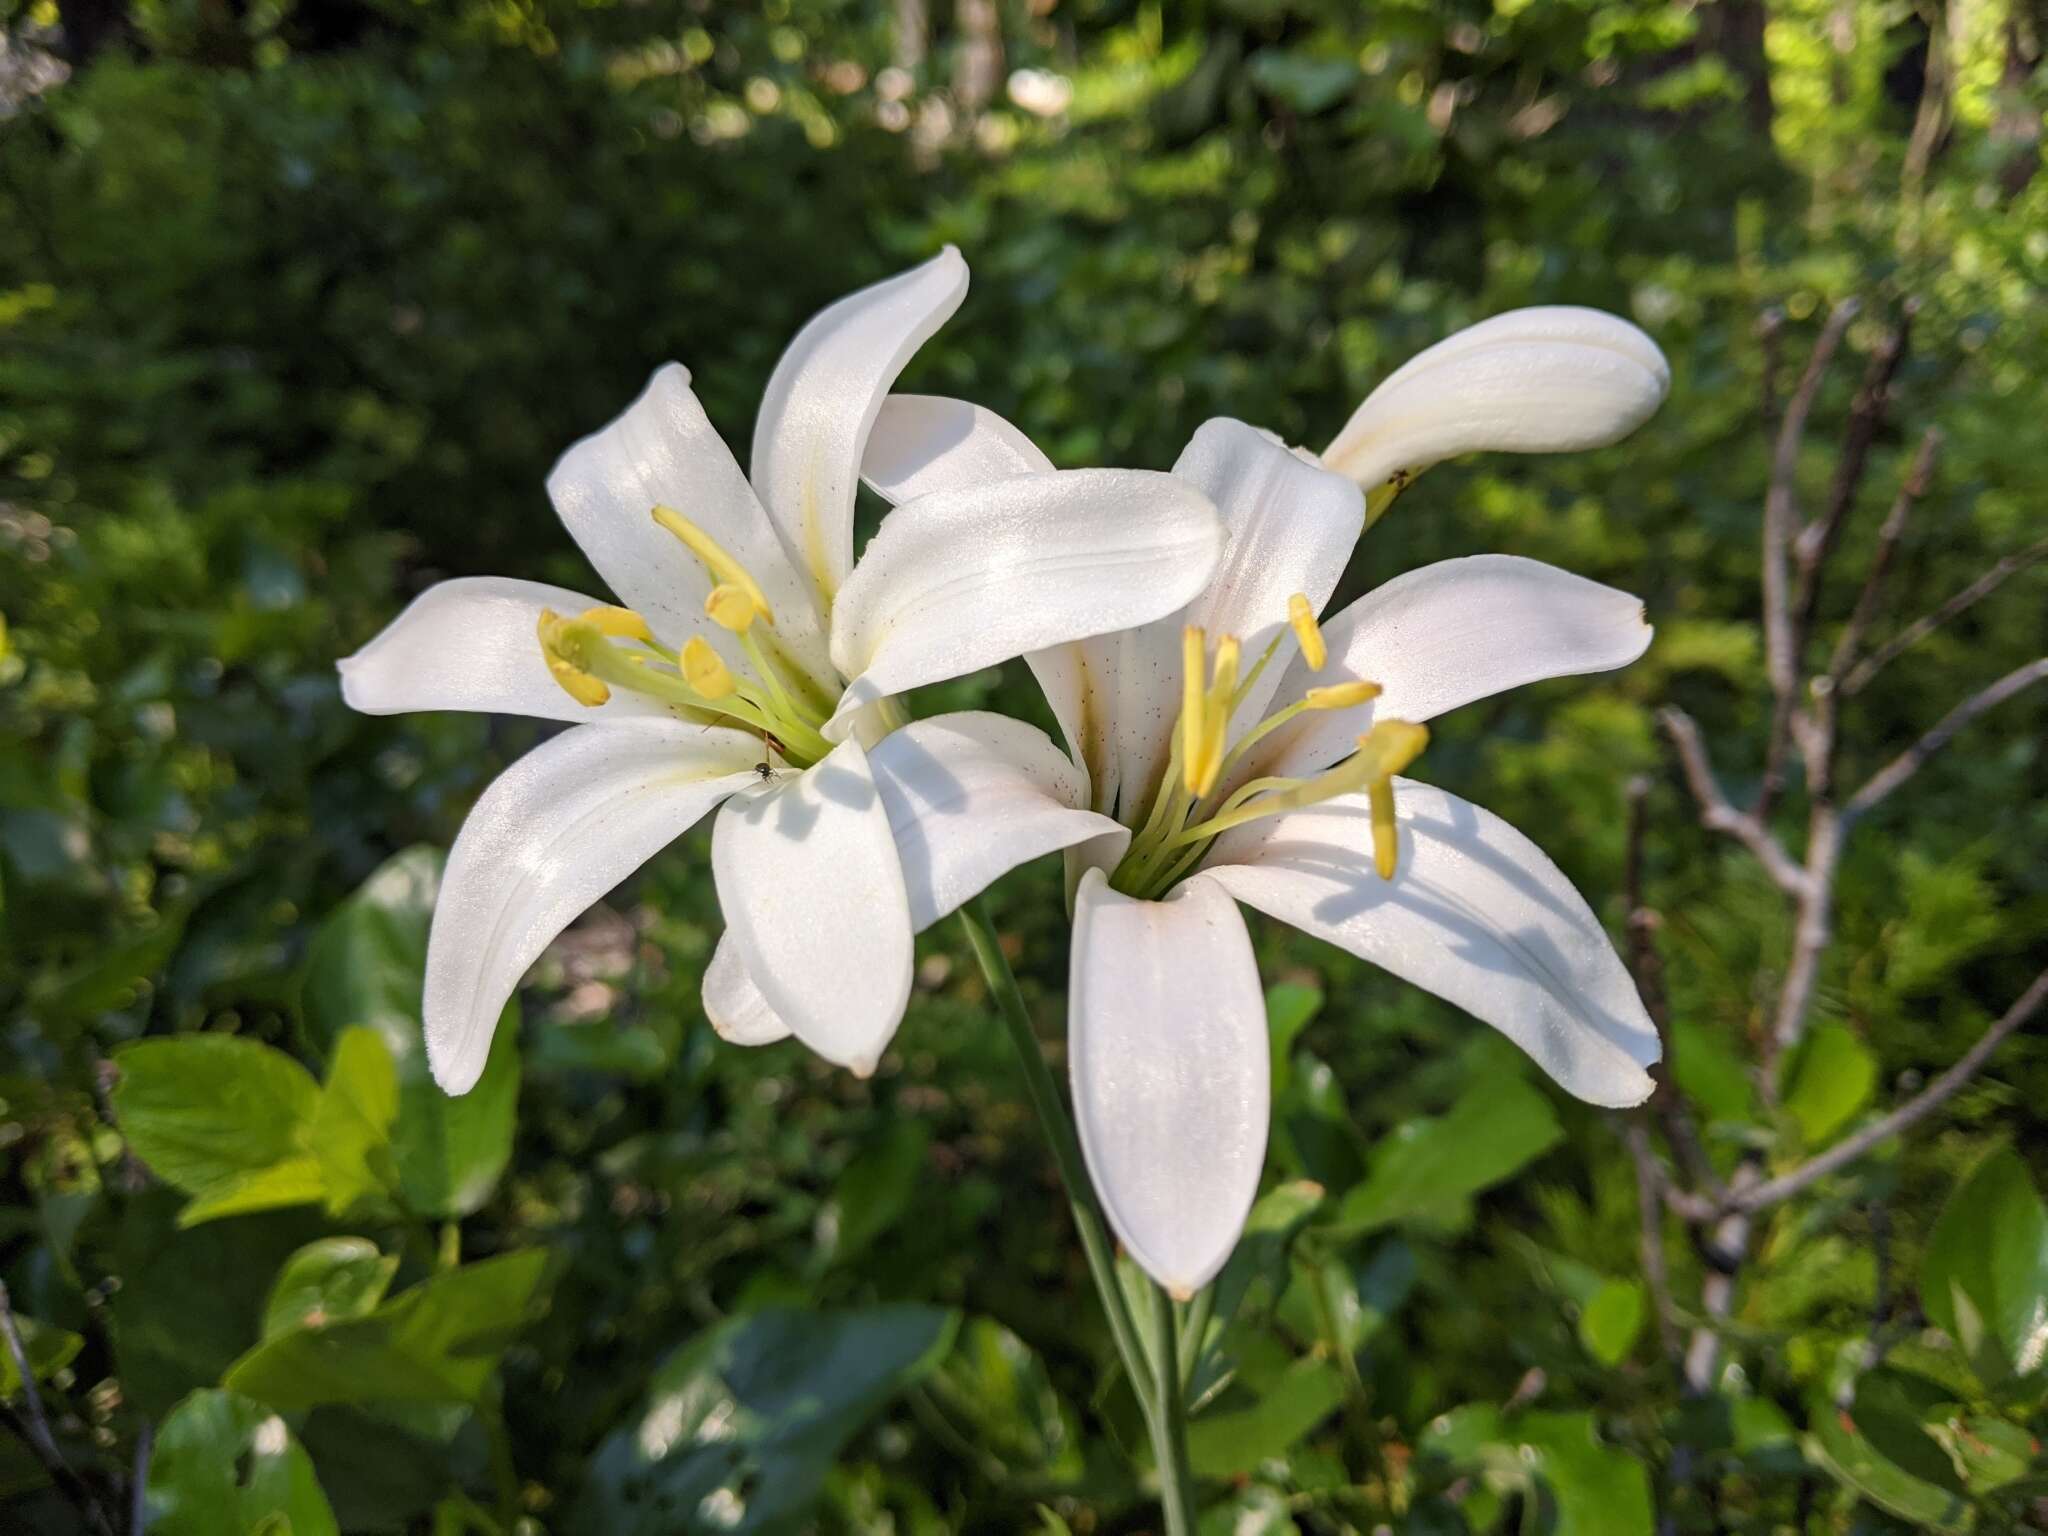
(1386, 838)
(617, 623)
(722, 566)
(731, 607)
(1340, 695)
(557, 641)
(705, 670)
(1303, 619)
(1194, 730)
(1216, 710)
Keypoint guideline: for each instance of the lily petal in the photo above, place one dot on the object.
(824, 396)
(965, 579)
(471, 644)
(1542, 380)
(551, 835)
(734, 1005)
(1169, 1061)
(1476, 914)
(815, 908)
(926, 443)
(663, 451)
(970, 797)
(1449, 634)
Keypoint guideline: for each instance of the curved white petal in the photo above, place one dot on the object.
(1476, 913)
(822, 399)
(734, 1005)
(1542, 380)
(1169, 1059)
(815, 908)
(926, 443)
(970, 797)
(965, 579)
(1449, 634)
(471, 644)
(552, 834)
(663, 451)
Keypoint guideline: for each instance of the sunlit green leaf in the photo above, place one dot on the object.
(1235, 1440)
(352, 1126)
(328, 1281)
(225, 1466)
(1612, 1320)
(1830, 1079)
(1984, 1276)
(1836, 1444)
(1427, 1165)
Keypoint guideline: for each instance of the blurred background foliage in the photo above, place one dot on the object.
(298, 301)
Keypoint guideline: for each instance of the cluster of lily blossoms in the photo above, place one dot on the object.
(1224, 745)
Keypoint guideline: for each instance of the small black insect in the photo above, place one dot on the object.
(765, 771)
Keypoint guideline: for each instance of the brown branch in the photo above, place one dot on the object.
(1915, 757)
(1718, 813)
(1650, 1238)
(1905, 1117)
(1816, 542)
(1922, 627)
(1911, 489)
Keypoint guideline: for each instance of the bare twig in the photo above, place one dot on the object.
(1907, 1115)
(1650, 1238)
(1915, 757)
(1911, 489)
(1718, 813)
(1816, 541)
(1921, 628)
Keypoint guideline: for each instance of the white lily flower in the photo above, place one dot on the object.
(1252, 755)
(752, 671)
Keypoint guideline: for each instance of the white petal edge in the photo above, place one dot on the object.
(965, 579)
(738, 1012)
(926, 443)
(1543, 380)
(1451, 633)
(471, 644)
(823, 397)
(551, 835)
(1476, 913)
(1170, 1066)
(663, 451)
(970, 797)
(814, 903)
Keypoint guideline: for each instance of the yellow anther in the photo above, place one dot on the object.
(704, 670)
(1194, 730)
(1386, 838)
(558, 637)
(1392, 745)
(723, 567)
(731, 607)
(1216, 716)
(1340, 695)
(1307, 631)
(617, 623)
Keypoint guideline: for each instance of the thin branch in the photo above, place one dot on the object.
(1816, 542)
(1718, 813)
(34, 1429)
(1650, 1204)
(1915, 757)
(1921, 628)
(1907, 1115)
(1911, 489)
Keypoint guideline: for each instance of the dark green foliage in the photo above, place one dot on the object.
(298, 302)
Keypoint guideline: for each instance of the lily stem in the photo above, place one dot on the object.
(1159, 1397)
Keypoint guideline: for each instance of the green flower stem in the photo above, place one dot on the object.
(1160, 1398)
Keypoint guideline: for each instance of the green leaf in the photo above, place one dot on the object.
(874, 1191)
(366, 968)
(1611, 1322)
(1304, 81)
(226, 1120)
(48, 1350)
(1233, 1442)
(1255, 1274)
(1712, 1073)
(1984, 1279)
(1830, 1078)
(435, 1343)
(1598, 1491)
(1289, 1008)
(1988, 1453)
(1429, 1165)
(329, 1281)
(997, 1387)
(1257, 1511)
(1836, 1444)
(741, 1425)
(224, 1466)
(352, 1127)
